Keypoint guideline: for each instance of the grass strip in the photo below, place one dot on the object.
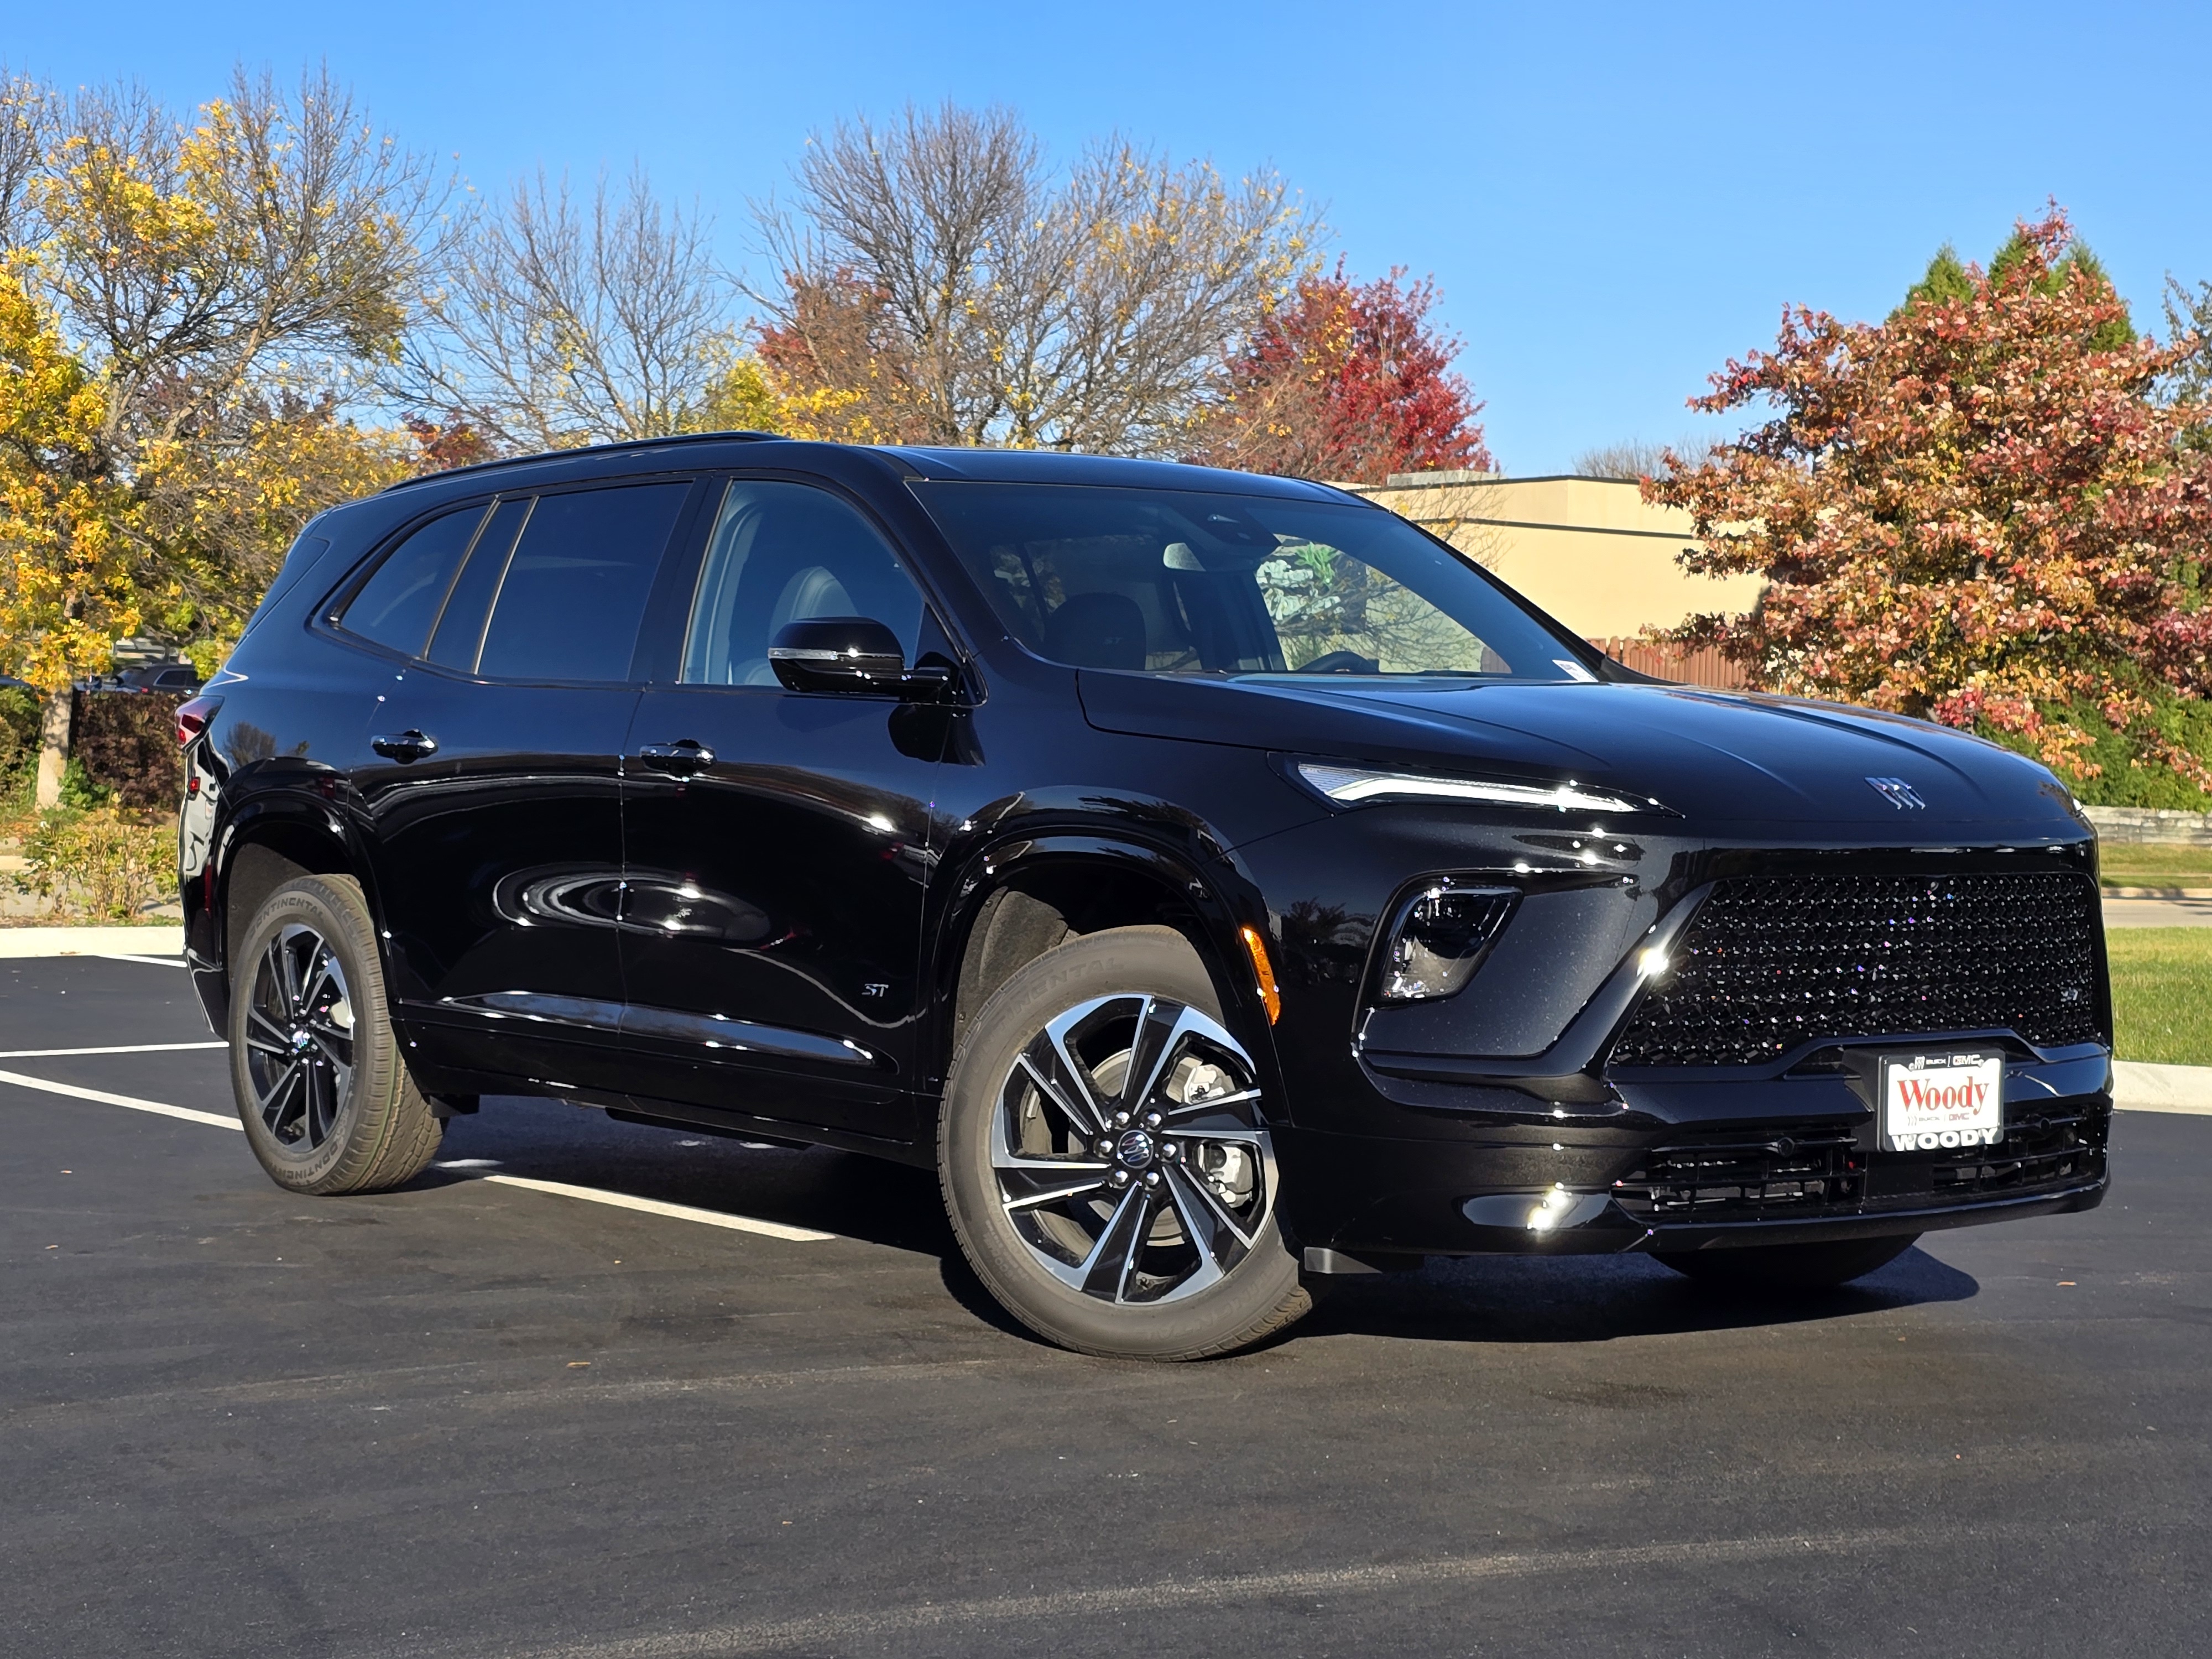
(2162, 993)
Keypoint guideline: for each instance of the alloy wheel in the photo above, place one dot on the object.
(299, 1039)
(1130, 1153)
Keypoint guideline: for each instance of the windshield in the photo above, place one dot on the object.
(1184, 582)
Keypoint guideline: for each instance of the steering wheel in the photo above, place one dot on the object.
(1341, 662)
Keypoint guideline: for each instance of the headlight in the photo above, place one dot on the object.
(1353, 785)
(1440, 935)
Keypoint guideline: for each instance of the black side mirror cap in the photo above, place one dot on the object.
(852, 656)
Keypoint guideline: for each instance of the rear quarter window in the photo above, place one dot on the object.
(398, 604)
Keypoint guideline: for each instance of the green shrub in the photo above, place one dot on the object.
(80, 789)
(98, 864)
(19, 737)
(2124, 781)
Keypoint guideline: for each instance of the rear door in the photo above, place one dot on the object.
(778, 842)
(495, 800)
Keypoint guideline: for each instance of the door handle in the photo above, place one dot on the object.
(408, 746)
(679, 759)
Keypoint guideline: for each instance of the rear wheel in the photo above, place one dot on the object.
(326, 1098)
(1791, 1267)
(1106, 1160)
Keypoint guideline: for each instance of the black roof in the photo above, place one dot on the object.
(918, 461)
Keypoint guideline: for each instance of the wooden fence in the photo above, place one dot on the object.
(1704, 667)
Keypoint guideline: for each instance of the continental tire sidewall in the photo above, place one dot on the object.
(378, 1137)
(1262, 1294)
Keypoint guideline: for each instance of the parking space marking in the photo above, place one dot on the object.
(111, 1049)
(151, 962)
(736, 1224)
(888, 1625)
(160, 1107)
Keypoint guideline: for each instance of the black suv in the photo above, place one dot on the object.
(1220, 882)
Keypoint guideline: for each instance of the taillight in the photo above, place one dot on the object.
(192, 717)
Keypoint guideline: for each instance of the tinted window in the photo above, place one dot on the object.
(784, 553)
(460, 631)
(399, 603)
(576, 586)
(1179, 582)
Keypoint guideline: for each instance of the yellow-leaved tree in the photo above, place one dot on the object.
(205, 299)
(67, 549)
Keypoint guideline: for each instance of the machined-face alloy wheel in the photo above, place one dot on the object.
(1129, 1152)
(300, 1039)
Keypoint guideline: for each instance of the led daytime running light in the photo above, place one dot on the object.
(1354, 787)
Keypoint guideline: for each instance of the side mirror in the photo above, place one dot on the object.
(849, 654)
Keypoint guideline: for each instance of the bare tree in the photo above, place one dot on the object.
(27, 117)
(1637, 458)
(184, 259)
(996, 306)
(554, 321)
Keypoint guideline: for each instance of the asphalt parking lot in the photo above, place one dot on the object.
(477, 1417)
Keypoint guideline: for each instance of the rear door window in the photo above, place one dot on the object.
(398, 605)
(569, 600)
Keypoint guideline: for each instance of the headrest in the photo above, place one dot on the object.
(1096, 630)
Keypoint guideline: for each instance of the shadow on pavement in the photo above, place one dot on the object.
(1598, 1299)
(859, 1198)
(1583, 1298)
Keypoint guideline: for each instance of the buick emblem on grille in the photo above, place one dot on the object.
(1898, 793)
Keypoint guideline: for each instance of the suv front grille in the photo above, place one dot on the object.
(1769, 963)
(1819, 1172)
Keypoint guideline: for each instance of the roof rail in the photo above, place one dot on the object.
(743, 435)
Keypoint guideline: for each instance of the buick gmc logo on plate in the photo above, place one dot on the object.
(1898, 793)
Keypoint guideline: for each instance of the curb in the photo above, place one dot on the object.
(2159, 892)
(166, 941)
(2141, 1086)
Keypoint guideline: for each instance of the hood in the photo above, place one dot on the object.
(1708, 755)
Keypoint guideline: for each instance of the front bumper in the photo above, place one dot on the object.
(1573, 1189)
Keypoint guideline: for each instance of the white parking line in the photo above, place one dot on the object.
(736, 1224)
(151, 962)
(159, 1106)
(112, 1048)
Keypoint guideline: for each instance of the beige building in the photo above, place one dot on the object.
(1588, 550)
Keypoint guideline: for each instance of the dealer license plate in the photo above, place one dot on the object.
(1932, 1101)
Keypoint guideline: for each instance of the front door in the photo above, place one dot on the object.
(493, 801)
(777, 842)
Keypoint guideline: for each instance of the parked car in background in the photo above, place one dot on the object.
(1219, 882)
(176, 677)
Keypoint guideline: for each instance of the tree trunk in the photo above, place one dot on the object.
(53, 747)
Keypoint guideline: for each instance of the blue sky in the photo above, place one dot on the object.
(1613, 199)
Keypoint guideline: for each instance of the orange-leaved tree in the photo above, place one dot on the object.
(1978, 512)
(1345, 381)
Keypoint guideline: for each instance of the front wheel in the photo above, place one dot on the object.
(1106, 1160)
(1790, 1267)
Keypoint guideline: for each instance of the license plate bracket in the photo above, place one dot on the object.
(1940, 1100)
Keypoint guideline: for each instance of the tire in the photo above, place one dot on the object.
(1071, 1240)
(1790, 1267)
(326, 1098)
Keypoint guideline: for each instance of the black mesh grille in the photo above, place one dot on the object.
(1770, 962)
(1746, 1180)
(1811, 1173)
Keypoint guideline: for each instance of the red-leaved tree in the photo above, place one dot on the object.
(1978, 511)
(1347, 381)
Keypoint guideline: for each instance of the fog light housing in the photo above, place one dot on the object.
(1439, 938)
